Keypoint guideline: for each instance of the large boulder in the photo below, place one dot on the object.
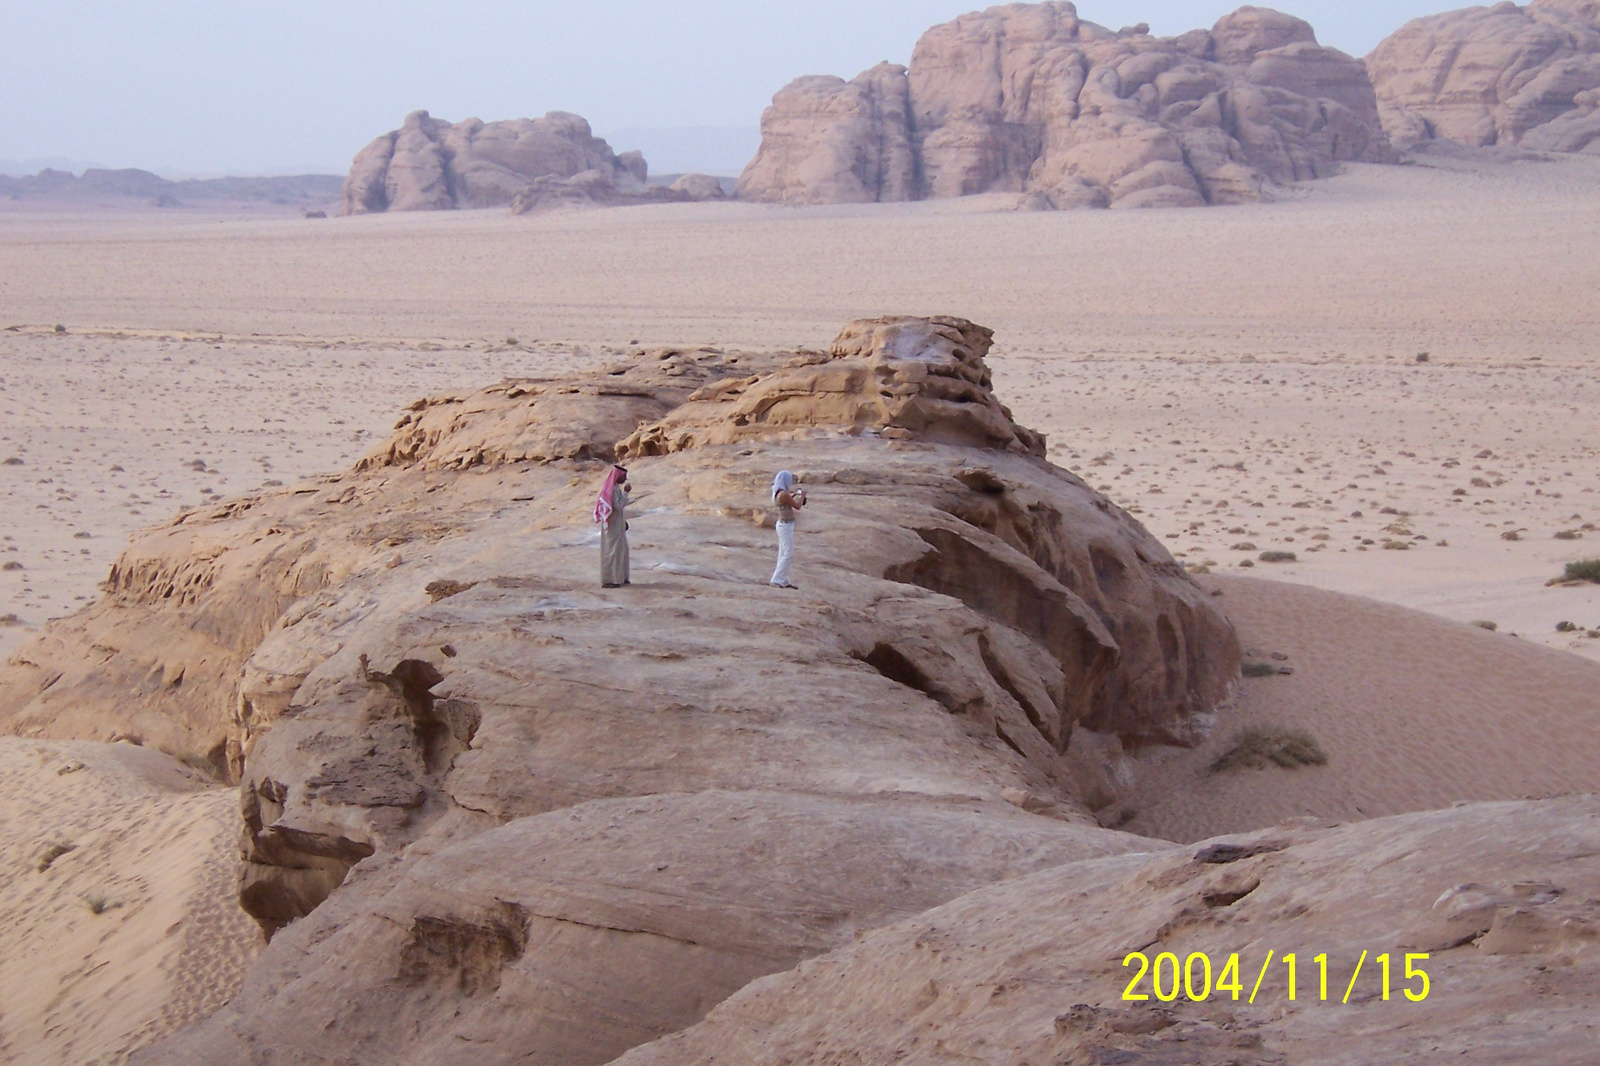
(482, 794)
(430, 164)
(1029, 98)
(1504, 75)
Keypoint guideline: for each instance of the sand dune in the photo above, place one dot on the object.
(1414, 713)
(151, 843)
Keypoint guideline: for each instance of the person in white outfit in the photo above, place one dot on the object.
(789, 501)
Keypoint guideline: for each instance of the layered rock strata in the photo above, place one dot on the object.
(1504, 75)
(1031, 99)
(476, 788)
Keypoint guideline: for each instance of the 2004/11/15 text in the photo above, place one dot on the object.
(1192, 977)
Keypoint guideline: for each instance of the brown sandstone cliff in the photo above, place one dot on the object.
(1029, 98)
(1503, 75)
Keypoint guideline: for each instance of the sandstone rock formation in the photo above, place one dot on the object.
(826, 140)
(899, 378)
(699, 187)
(485, 796)
(429, 164)
(571, 936)
(595, 188)
(1031, 99)
(1504, 75)
(1503, 899)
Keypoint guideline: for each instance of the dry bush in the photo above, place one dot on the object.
(1259, 746)
(1583, 570)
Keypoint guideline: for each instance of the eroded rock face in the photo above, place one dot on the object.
(1029, 98)
(830, 141)
(455, 749)
(572, 936)
(898, 378)
(1503, 75)
(429, 164)
(1501, 898)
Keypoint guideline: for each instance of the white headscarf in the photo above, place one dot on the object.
(782, 483)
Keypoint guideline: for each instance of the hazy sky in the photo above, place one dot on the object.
(217, 86)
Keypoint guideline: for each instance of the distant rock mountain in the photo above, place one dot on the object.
(1504, 75)
(1031, 99)
(129, 184)
(429, 164)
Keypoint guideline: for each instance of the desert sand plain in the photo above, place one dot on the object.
(1245, 375)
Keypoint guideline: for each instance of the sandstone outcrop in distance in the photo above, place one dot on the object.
(1524, 77)
(429, 164)
(1029, 98)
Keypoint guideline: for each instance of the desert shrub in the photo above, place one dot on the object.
(1583, 570)
(99, 902)
(1277, 557)
(1259, 670)
(49, 854)
(444, 589)
(1484, 623)
(1258, 746)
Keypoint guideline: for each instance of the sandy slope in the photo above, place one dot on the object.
(1414, 712)
(154, 843)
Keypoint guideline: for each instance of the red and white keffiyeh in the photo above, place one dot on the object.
(602, 505)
